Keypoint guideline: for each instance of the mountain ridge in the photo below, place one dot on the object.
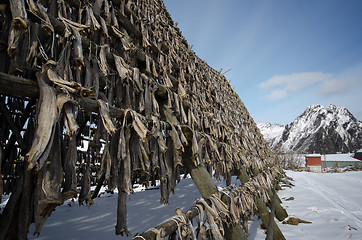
(318, 129)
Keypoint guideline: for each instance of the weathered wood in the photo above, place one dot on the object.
(12, 125)
(199, 174)
(14, 86)
(265, 217)
(168, 227)
(280, 212)
(242, 175)
(206, 185)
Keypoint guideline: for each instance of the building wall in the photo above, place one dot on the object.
(317, 169)
(333, 164)
(314, 161)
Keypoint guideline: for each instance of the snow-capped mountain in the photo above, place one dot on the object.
(271, 131)
(320, 129)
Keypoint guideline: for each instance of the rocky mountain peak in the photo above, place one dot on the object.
(318, 129)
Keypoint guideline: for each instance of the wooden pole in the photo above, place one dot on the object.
(168, 227)
(206, 185)
(263, 211)
(265, 217)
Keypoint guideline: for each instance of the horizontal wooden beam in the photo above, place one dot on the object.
(18, 86)
(169, 226)
(25, 88)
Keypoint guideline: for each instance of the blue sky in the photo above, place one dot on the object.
(284, 54)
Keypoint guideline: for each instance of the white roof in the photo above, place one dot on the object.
(346, 157)
(313, 155)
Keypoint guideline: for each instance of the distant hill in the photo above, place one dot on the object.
(318, 129)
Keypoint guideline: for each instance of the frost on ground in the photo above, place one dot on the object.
(331, 201)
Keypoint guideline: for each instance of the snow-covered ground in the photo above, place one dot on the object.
(331, 201)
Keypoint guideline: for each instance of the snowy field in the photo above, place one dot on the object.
(331, 201)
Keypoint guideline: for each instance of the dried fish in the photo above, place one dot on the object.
(72, 87)
(46, 24)
(182, 92)
(81, 28)
(32, 6)
(176, 140)
(122, 69)
(84, 195)
(103, 65)
(136, 79)
(114, 21)
(167, 81)
(93, 19)
(95, 73)
(183, 114)
(139, 127)
(176, 104)
(147, 98)
(104, 27)
(155, 106)
(124, 174)
(106, 119)
(13, 41)
(195, 147)
(211, 215)
(106, 162)
(78, 50)
(70, 175)
(69, 121)
(44, 132)
(49, 180)
(31, 58)
(19, 15)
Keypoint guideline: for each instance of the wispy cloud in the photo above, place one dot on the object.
(337, 86)
(282, 86)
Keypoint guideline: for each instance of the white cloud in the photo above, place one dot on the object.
(282, 86)
(276, 94)
(337, 86)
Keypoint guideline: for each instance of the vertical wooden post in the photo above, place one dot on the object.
(206, 185)
(280, 212)
(263, 211)
(265, 216)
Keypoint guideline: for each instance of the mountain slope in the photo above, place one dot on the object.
(271, 132)
(322, 130)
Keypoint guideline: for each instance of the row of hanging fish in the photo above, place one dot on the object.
(119, 54)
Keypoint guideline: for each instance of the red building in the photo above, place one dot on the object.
(313, 162)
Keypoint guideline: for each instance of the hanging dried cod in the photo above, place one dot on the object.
(49, 180)
(106, 119)
(19, 15)
(122, 69)
(46, 119)
(64, 101)
(81, 28)
(137, 124)
(84, 195)
(78, 50)
(71, 87)
(70, 175)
